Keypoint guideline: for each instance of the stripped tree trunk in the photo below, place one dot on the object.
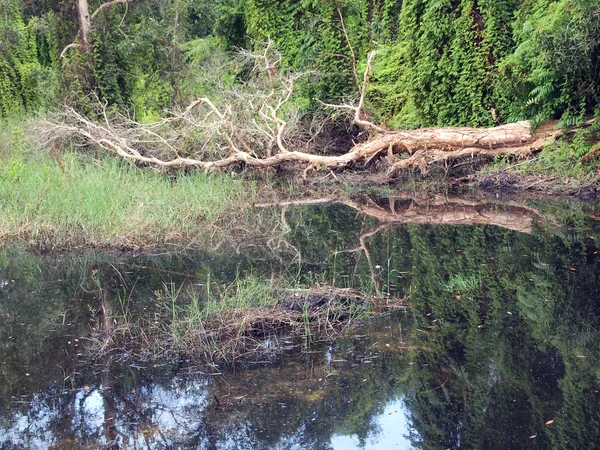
(86, 21)
(260, 140)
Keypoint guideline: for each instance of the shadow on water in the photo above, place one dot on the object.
(499, 347)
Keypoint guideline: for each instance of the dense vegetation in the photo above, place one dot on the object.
(439, 62)
(64, 203)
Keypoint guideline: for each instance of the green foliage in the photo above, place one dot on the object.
(440, 69)
(25, 84)
(64, 202)
(461, 284)
(208, 68)
(310, 36)
(439, 62)
(554, 69)
(567, 158)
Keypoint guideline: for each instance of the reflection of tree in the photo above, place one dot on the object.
(488, 305)
(363, 248)
(504, 339)
(142, 408)
(438, 210)
(323, 229)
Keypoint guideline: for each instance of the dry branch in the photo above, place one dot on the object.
(254, 129)
(108, 5)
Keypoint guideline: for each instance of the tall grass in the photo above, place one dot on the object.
(57, 202)
(220, 325)
(247, 318)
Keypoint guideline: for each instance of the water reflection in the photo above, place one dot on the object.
(393, 427)
(499, 349)
(302, 401)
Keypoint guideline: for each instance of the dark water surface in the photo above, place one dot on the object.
(500, 347)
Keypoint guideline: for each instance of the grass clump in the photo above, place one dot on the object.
(573, 158)
(67, 201)
(251, 317)
(248, 319)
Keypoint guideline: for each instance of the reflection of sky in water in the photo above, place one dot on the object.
(173, 410)
(31, 430)
(92, 409)
(393, 431)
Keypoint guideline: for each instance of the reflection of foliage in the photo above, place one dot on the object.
(47, 302)
(462, 284)
(495, 352)
(503, 338)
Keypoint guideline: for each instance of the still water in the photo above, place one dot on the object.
(499, 346)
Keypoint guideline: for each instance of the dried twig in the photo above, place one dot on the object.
(256, 128)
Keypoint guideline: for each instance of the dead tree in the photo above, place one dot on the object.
(86, 21)
(256, 126)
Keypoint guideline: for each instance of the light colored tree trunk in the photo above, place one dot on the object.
(85, 22)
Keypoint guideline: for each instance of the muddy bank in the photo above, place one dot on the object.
(469, 183)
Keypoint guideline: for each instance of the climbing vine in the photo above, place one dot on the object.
(554, 70)
(21, 73)
(439, 62)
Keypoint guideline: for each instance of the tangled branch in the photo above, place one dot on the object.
(258, 126)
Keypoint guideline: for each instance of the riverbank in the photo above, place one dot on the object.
(55, 199)
(73, 201)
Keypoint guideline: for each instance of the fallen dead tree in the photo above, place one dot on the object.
(261, 130)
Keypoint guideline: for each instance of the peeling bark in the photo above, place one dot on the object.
(421, 148)
(85, 23)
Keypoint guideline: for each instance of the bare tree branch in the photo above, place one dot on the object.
(73, 45)
(255, 124)
(364, 124)
(108, 5)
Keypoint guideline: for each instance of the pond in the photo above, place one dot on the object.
(498, 347)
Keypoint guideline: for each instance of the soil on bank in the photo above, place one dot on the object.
(476, 182)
